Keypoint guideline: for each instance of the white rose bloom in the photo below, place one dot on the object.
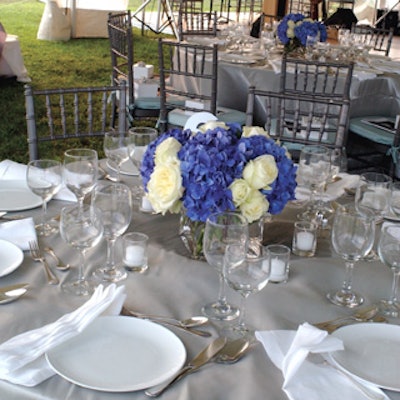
(254, 131)
(261, 172)
(212, 125)
(240, 190)
(255, 206)
(165, 188)
(166, 151)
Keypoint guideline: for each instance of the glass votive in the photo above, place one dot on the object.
(304, 239)
(134, 251)
(145, 205)
(278, 256)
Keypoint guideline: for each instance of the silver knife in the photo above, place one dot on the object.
(199, 360)
(7, 289)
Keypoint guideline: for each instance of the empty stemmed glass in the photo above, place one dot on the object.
(352, 238)
(222, 229)
(246, 272)
(116, 149)
(115, 203)
(44, 178)
(82, 228)
(313, 172)
(389, 253)
(80, 171)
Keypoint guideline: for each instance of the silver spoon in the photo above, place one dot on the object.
(59, 264)
(7, 295)
(232, 351)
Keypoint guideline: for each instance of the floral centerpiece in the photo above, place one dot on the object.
(294, 29)
(217, 169)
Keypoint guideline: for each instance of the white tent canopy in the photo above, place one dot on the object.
(65, 19)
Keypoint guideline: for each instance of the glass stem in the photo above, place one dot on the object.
(395, 285)
(110, 259)
(221, 294)
(44, 212)
(242, 315)
(348, 278)
(81, 266)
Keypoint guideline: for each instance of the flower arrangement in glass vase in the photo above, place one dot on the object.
(294, 29)
(218, 168)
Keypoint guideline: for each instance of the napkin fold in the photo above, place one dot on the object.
(19, 232)
(304, 379)
(10, 170)
(22, 359)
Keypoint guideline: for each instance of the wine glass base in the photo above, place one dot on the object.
(47, 229)
(235, 332)
(219, 312)
(105, 274)
(349, 300)
(389, 308)
(78, 287)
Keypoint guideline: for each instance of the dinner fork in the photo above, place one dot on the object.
(37, 256)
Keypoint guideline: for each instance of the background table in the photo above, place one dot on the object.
(11, 60)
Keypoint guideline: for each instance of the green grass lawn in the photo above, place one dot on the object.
(77, 62)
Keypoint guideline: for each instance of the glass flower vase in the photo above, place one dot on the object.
(191, 233)
(256, 230)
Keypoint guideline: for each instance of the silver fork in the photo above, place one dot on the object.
(37, 256)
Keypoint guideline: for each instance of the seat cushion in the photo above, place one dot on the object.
(147, 103)
(364, 127)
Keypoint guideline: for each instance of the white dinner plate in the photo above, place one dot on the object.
(11, 257)
(237, 59)
(127, 168)
(372, 352)
(16, 196)
(119, 354)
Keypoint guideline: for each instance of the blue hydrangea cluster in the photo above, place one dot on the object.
(301, 31)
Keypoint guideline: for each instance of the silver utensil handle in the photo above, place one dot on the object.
(197, 332)
(51, 278)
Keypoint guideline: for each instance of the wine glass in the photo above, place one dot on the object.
(352, 238)
(139, 139)
(82, 228)
(116, 149)
(80, 172)
(395, 198)
(44, 178)
(389, 253)
(246, 272)
(115, 203)
(313, 172)
(222, 229)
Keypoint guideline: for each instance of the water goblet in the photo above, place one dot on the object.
(247, 273)
(352, 238)
(80, 172)
(139, 139)
(221, 230)
(116, 149)
(44, 178)
(115, 203)
(82, 228)
(395, 198)
(389, 253)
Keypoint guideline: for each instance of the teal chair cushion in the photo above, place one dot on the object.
(362, 127)
(147, 103)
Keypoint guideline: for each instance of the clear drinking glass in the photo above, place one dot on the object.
(389, 253)
(139, 139)
(116, 149)
(352, 238)
(81, 228)
(80, 171)
(247, 273)
(44, 178)
(115, 203)
(222, 229)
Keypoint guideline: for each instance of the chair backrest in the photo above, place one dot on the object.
(300, 119)
(121, 48)
(196, 23)
(251, 9)
(188, 75)
(316, 78)
(300, 7)
(378, 39)
(66, 113)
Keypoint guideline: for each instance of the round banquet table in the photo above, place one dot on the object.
(177, 286)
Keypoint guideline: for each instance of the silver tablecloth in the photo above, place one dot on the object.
(178, 286)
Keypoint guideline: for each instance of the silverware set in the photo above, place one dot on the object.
(37, 256)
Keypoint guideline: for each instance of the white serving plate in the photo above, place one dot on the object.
(119, 354)
(15, 195)
(11, 257)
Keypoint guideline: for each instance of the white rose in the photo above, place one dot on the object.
(253, 131)
(255, 206)
(212, 125)
(166, 151)
(240, 190)
(165, 188)
(261, 172)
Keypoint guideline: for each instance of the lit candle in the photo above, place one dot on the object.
(305, 241)
(278, 270)
(134, 256)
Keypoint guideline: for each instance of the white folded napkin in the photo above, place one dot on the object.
(334, 190)
(303, 379)
(22, 359)
(10, 170)
(19, 232)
